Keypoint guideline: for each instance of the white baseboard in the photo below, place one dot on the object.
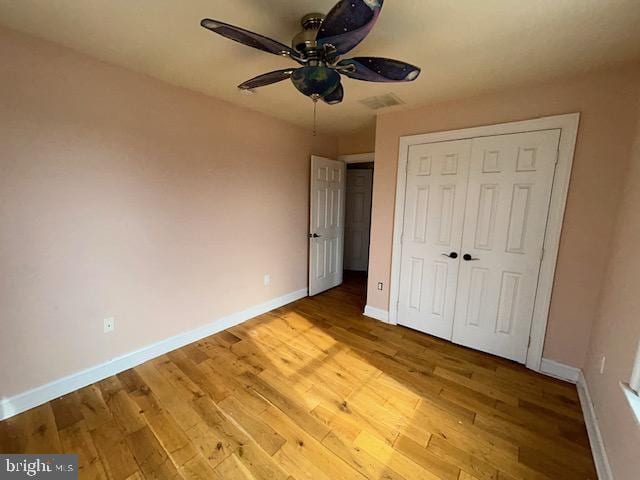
(32, 398)
(575, 375)
(559, 370)
(595, 437)
(378, 314)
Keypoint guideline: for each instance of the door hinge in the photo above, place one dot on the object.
(542, 254)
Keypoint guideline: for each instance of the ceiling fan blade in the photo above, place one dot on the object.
(335, 97)
(348, 23)
(376, 69)
(246, 37)
(267, 79)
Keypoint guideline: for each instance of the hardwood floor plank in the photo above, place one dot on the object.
(76, 438)
(198, 469)
(227, 437)
(292, 408)
(359, 459)
(13, 434)
(232, 468)
(464, 381)
(92, 407)
(114, 452)
(549, 467)
(303, 455)
(558, 449)
(430, 462)
(555, 468)
(464, 460)
(41, 433)
(259, 463)
(170, 398)
(123, 409)
(205, 382)
(173, 439)
(66, 410)
(392, 458)
(150, 456)
(257, 429)
(238, 385)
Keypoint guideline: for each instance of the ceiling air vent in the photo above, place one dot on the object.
(381, 101)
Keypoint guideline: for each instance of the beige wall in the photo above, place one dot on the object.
(616, 333)
(123, 196)
(360, 141)
(608, 102)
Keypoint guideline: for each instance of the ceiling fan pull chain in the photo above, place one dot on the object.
(315, 116)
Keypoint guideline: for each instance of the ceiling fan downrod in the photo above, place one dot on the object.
(305, 42)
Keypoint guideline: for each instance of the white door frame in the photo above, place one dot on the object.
(568, 124)
(358, 158)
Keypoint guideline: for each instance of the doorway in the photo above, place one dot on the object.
(358, 216)
(340, 219)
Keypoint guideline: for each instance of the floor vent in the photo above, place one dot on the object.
(381, 101)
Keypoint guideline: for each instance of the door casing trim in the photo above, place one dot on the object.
(568, 125)
(358, 158)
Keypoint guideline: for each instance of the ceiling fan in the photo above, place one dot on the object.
(318, 48)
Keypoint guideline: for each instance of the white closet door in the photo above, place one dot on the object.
(434, 213)
(510, 180)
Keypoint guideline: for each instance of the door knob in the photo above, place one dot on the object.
(469, 258)
(314, 235)
(453, 255)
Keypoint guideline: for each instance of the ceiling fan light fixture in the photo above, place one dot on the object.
(315, 81)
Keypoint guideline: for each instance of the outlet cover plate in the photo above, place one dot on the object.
(109, 324)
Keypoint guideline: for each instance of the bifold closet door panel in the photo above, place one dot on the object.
(510, 181)
(434, 213)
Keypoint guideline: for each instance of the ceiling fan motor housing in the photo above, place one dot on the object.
(305, 41)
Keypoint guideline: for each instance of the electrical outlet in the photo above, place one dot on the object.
(380, 286)
(603, 361)
(109, 324)
(267, 279)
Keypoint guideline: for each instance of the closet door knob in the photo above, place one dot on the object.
(453, 255)
(469, 258)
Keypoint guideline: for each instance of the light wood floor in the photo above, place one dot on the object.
(314, 390)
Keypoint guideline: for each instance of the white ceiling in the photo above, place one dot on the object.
(464, 47)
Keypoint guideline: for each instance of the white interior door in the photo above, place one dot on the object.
(434, 211)
(358, 219)
(510, 181)
(326, 234)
